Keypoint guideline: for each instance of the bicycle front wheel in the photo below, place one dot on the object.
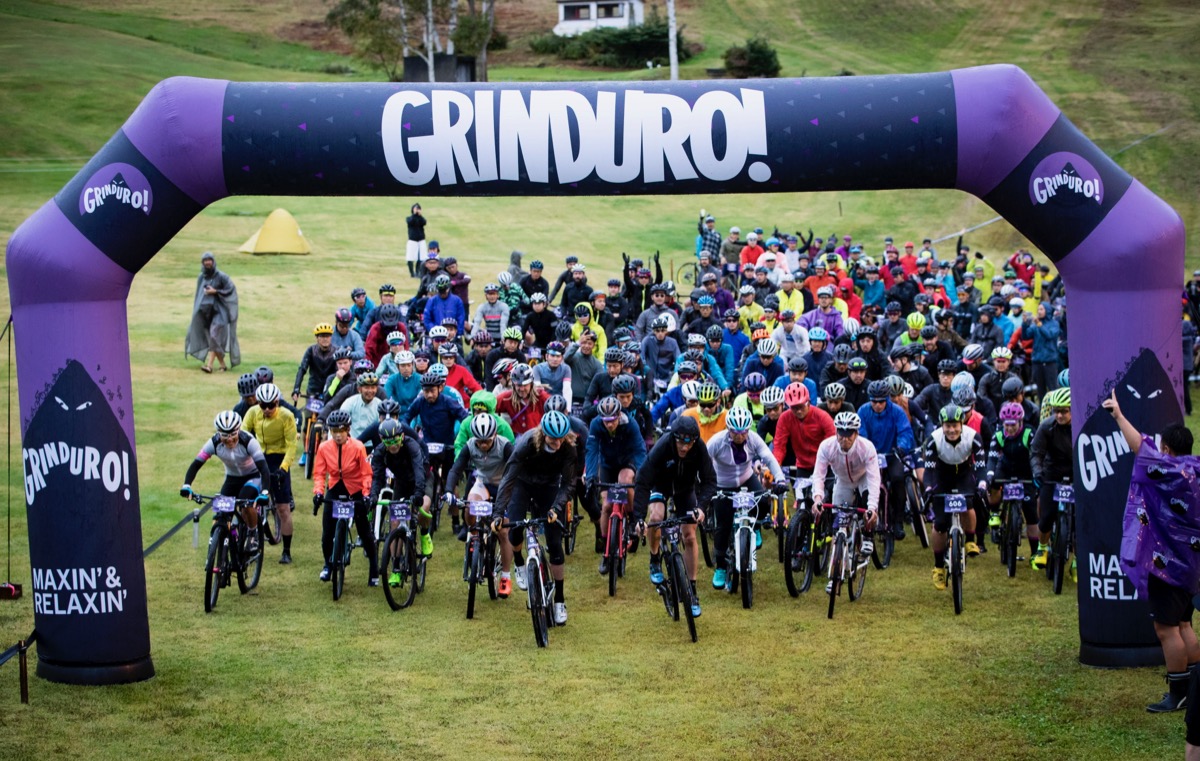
(615, 532)
(1058, 548)
(836, 560)
(537, 602)
(270, 523)
(858, 570)
(250, 570)
(396, 560)
(214, 565)
(340, 551)
(957, 556)
(797, 560)
(1012, 537)
(916, 511)
(702, 530)
(683, 588)
(489, 565)
(746, 538)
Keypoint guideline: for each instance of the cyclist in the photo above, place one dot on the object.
(854, 383)
(246, 386)
(615, 452)
(482, 403)
(363, 408)
(246, 467)
(404, 385)
(344, 336)
(912, 371)
(1052, 461)
(886, 426)
(737, 455)
(802, 428)
(838, 367)
(387, 366)
(510, 348)
(933, 397)
(868, 349)
(673, 398)
(915, 321)
(772, 400)
(953, 461)
(708, 413)
(1009, 457)
(438, 413)
(342, 471)
(483, 457)
(553, 375)
(362, 306)
(458, 377)
(936, 350)
(476, 359)
(855, 465)
(817, 356)
(539, 478)
(400, 456)
(317, 362)
(524, 404)
(764, 361)
(680, 469)
(375, 345)
(991, 385)
(275, 430)
(750, 399)
(721, 351)
(389, 409)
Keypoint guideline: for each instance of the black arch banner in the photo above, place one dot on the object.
(989, 131)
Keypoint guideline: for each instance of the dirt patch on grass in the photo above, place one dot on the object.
(316, 34)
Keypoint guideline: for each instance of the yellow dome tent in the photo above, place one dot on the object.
(280, 234)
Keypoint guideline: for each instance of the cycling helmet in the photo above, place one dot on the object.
(825, 290)
(483, 426)
(482, 338)
(695, 356)
(689, 390)
(946, 366)
(659, 323)
(337, 420)
(963, 380)
(368, 379)
(389, 314)
(768, 347)
(797, 365)
(421, 354)
(447, 350)
(227, 422)
(746, 290)
(881, 389)
(758, 332)
(952, 413)
(430, 379)
(895, 385)
(922, 299)
(1059, 397)
(267, 393)
(835, 391)
(1011, 412)
(356, 292)
(739, 420)
(556, 403)
(695, 340)
(556, 425)
(732, 314)
(908, 391)
(687, 366)
(322, 329)
(387, 288)
(264, 374)
(343, 353)
(563, 330)
(1064, 379)
(390, 429)
(715, 333)
(557, 347)
(624, 384)
(866, 330)
(772, 396)
(522, 375)
(246, 385)
(389, 408)
(842, 353)
(851, 327)
(503, 367)
(505, 279)
(898, 352)
(795, 393)
(536, 264)
(706, 301)
(915, 320)
(669, 287)
(512, 333)
(1011, 388)
(708, 393)
(847, 421)
(442, 282)
(538, 298)
(893, 307)
(614, 354)
(963, 396)
(770, 302)
(439, 333)
(929, 331)
(583, 310)
(491, 288)
(404, 357)
(972, 353)
(1001, 352)
(754, 382)
(608, 407)
(818, 334)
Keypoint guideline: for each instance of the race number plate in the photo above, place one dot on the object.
(435, 447)
(401, 513)
(744, 500)
(883, 462)
(956, 503)
(343, 510)
(314, 405)
(1064, 493)
(224, 504)
(1014, 491)
(481, 509)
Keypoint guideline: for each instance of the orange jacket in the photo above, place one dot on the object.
(347, 463)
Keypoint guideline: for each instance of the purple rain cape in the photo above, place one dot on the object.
(1162, 520)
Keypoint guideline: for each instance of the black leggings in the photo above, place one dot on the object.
(536, 501)
(361, 524)
(724, 508)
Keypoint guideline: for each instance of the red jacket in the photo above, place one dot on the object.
(460, 379)
(527, 416)
(804, 436)
(347, 464)
(375, 345)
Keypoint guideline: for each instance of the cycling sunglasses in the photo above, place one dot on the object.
(268, 406)
(395, 441)
(681, 439)
(799, 407)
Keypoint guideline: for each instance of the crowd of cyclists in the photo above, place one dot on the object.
(775, 357)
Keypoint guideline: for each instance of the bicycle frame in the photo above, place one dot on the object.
(848, 522)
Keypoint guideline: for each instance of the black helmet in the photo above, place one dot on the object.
(389, 408)
(878, 389)
(714, 333)
(624, 384)
(797, 365)
(247, 384)
(947, 366)
(429, 380)
(556, 403)
(929, 331)
(898, 352)
(582, 310)
(842, 353)
(1011, 388)
(952, 413)
(614, 354)
(264, 374)
(562, 330)
(389, 314)
(390, 429)
(338, 419)
(343, 353)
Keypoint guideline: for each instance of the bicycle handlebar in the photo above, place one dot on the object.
(200, 499)
(690, 517)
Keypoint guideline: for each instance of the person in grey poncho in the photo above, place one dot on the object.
(213, 332)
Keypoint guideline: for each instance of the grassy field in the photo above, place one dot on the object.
(287, 672)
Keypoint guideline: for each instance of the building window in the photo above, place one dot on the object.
(609, 10)
(576, 12)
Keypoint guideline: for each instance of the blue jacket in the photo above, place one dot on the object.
(667, 402)
(817, 362)
(873, 294)
(711, 368)
(755, 365)
(438, 309)
(888, 429)
(360, 317)
(437, 419)
(1045, 339)
(403, 390)
(737, 341)
(625, 449)
(784, 381)
(725, 360)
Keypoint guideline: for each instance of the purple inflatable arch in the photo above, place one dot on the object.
(989, 131)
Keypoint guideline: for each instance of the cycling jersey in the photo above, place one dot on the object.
(804, 436)
(949, 466)
(1050, 452)
(614, 451)
(734, 463)
(407, 468)
(319, 364)
(487, 466)
(276, 435)
(855, 471)
(362, 413)
(1009, 457)
(346, 464)
(242, 459)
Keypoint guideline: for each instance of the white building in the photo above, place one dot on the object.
(578, 16)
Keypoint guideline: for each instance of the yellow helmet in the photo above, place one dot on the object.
(323, 328)
(916, 321)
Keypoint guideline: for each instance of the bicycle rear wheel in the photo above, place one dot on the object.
(615, 532)
(537, 602)
(683, 588)
(269, 520)
(858, 570)
(747, 581)
(702, 530)
(957, 557)
(836, 559)
(396, 559)
(1012, 539)
(214, 564)
(797, 561)
(250, 571)
(916, 511)
(1058, 549)
(489, 565)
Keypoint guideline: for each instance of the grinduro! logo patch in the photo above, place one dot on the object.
(1065, 179)
(116, 184)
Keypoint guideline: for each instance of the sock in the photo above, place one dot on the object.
(655, 558)
(1177, 683)
(505, 575)
(423, 530)
(519, 559)
(559, 592)
(287, 545)
(1033, 545)
(694, 594)
(939, 559)
(970, 535)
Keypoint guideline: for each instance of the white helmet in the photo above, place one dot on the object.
(227, 421)
(267, 393)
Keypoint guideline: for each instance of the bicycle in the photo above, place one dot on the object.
(781, 516)
(1013, 494)
(883, 540)
(314, 431)
(956, 503)
(676, 588)
(1062, 534)
(848, 561)
(574, 518)
(438, 474)
(917, 510)
(227, 548)
(343, 547)
(541, 583)
(400, 556)
(743, 551)
(801, 550)
(270, 520)
(479, 555)
(620, 533)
